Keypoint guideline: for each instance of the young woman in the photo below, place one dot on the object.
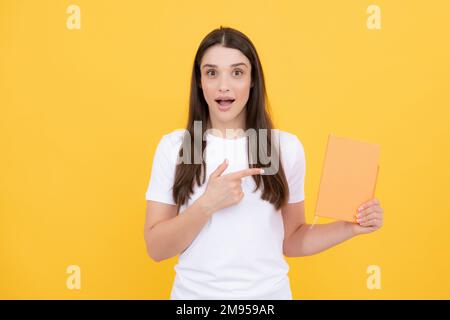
(208, 199)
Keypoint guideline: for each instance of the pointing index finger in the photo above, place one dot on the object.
(245, 173)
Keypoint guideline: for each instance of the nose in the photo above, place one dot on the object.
(223, 84)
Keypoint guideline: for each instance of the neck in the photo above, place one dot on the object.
(236, 127)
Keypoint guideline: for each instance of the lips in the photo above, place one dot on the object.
(225, 101)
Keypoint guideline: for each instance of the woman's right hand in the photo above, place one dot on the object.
(225, 190)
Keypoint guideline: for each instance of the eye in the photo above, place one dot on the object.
(240, 72)
(209, 72)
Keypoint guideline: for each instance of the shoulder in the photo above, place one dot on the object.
(172, 139)
(168, 147)
(290, 141)
(292, 152)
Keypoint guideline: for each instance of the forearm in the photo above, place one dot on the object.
(305, 241)
(169, 238)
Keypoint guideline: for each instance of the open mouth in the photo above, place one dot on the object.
(224, 102)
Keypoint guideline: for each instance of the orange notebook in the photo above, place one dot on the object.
(349, 176)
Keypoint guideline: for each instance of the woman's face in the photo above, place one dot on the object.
(226, 81)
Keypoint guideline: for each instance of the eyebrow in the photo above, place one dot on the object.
(232, 65)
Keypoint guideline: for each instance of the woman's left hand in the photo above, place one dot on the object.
(369, 218)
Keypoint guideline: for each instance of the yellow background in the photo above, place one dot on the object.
(82, 112)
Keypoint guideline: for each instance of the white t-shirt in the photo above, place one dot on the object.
(238, 253)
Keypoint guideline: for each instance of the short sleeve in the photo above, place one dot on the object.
(162, 174)
(295, 174)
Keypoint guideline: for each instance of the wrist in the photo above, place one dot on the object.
(351, 227)
(204, 205)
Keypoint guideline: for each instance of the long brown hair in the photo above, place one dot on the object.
(275, 187)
